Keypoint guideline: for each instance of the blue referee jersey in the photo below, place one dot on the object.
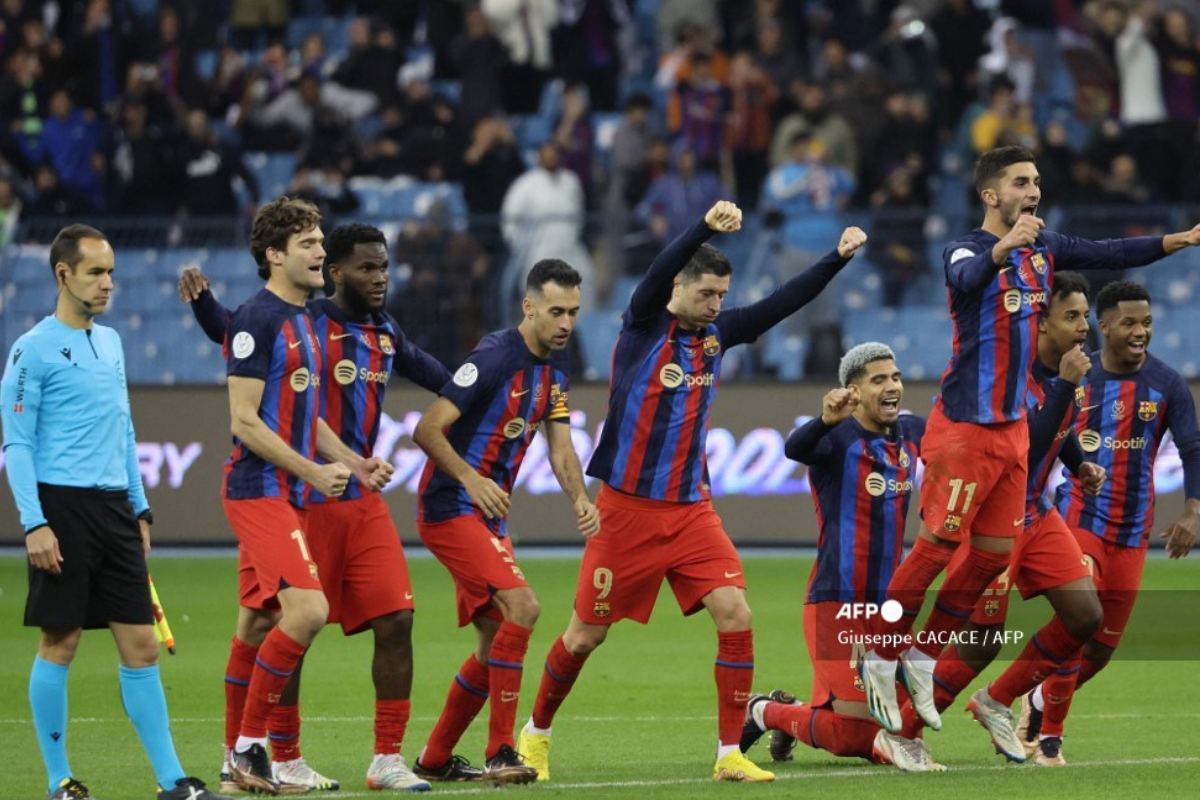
(65, 409)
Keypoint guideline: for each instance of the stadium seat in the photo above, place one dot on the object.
(274, 171)
(597, 340)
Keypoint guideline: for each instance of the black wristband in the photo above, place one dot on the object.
(37, 527)
(147, 516)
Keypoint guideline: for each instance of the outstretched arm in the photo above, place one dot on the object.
(654, 291)
(212, 316)
(747, 323)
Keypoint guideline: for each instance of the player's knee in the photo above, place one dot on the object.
(255, 624)
(524, 610)
(393, 631)
(1084, 617)
(583, 640)
(982, 652)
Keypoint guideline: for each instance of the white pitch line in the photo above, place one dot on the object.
(863, 772)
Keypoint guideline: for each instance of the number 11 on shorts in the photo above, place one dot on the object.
(299, 537)
(956, 488)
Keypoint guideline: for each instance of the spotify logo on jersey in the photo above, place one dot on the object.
(345, 371)
(514, 428)
(876, 484)
(1012, 301)
(671, 376)
(299, 379)
(1089, 441)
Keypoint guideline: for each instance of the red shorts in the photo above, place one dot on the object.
(1046, 556)
(1117, 572)
(833, 654)
(975, 477)
(357, 549)
(273, 553)
(641, 542)
(480, 562)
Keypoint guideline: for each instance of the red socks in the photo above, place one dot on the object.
(958, 595)
(284, 728)
(277, 659)
(391, 722)
(559, 676)
(734, 674)
(468, 693)
(238, 671)
(912, 578)
(824, 729)
(1057, 691)
(1046, 651)
(506, 662)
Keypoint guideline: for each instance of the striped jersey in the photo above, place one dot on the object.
(1120, 426)
(504, 393)
(664, 377)
(274, 341)
(994, 312)
(861, 486)
(357, 357)
(1052, 405)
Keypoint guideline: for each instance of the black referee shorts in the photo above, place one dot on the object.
(103, 575)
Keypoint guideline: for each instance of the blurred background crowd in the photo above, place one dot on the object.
(485, 134)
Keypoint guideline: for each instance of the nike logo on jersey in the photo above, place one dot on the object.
(1088, 408)
(293, 345)
(1110, 632)
(408, 595)
(339, 336)
(732, 574)
(1004, 270)
(515, 393)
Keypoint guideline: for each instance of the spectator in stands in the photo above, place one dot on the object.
(698, 110)
(326, 188)
(575, 135)
(292, 115)
(209, 168)
(383, 155)
(51, 198)
(898, 234)
(907, 52)
(1005, 121)
(810, 193)
(23, 95)
(749, 126)
(332, 144)
(490, 165)
(99, 53)
(70, 140)
(142, 166)
(372, 62)
(680, 197)
(816, 118)
(441, 304)
(10, 208)
(58, 69)
(1010, 58)
(676, 15)
(524, 28)
(252, 21)
(1179, 53)
(593, 39)
(174, 61)
(479, 59)
(433, 147)
(781, 63)
(627, 158)
(900, 139)
(314, 57)
(228, 85)
(960, 28)
(675, 67)
(543, 215)
(1124, 184)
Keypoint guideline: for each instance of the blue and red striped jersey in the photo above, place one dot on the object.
(504, 393)
(274, 341)
(664, 377)
(1120, 426)
(994, 311)
(1052, 405)
(861, 486)
(359, 357)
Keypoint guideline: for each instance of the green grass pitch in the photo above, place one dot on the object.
(640, 723)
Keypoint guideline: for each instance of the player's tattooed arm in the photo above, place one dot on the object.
(372, 472)
(245, 397)
(430, 436)
(567, 469)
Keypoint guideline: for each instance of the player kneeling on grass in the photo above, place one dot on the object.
(862, 458)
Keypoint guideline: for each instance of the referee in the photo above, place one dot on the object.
(71, 460)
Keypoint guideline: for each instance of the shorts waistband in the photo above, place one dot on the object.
(88, 491)
(631, 501)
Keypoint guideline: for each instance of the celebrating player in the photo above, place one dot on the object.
(976, 446)
(352, 538)
(1130, 400)
(655, 503)
(862, 458)
(1046, 559)
(476, 435)
(71, 459)
(274, 366)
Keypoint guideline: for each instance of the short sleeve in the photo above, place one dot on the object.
(249, 343)
(476, 379)
(560, 409)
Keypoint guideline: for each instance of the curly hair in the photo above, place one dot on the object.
(275, 223)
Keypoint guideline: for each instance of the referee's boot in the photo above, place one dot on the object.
(71, 789)
(190, 789)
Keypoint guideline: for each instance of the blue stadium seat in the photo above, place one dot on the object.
(785, 353)
(597, 339)
(274, 171)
